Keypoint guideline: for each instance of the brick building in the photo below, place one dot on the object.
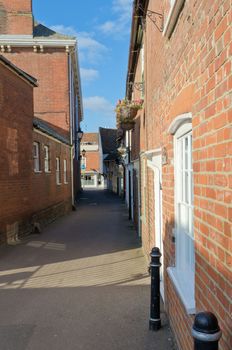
(35, 183)
(51, 58)
(15, 146)
(180, 63)
(90, 161)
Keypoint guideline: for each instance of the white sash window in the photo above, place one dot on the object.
(36, 156)
(184, 206)
(58, 181)
(46, 159)
(65, 172)
(183, 273)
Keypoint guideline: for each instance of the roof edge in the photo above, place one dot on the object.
(18, 71)
(41, 125)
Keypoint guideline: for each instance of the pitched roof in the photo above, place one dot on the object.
(90, 137)
(108, 140)
(47, 129)
(40, 31)
(18, 71)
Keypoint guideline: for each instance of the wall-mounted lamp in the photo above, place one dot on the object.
(83, 153)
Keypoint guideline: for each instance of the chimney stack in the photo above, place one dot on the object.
(16, 17)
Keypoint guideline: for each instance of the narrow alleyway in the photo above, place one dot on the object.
(80, 284)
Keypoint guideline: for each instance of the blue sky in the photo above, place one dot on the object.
(102, 28)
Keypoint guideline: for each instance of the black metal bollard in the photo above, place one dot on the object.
(206, 331)
(155, 321)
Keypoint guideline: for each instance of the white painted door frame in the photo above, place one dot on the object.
(156, 165)
(137, 169)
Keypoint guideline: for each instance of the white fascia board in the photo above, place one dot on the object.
(14, 36)
(24, 41)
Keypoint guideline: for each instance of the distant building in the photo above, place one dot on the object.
(90, 162)
(110, 160)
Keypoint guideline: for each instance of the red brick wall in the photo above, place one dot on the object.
(26, 196)
(16, 149)
(50, 68)
(92, 160)
(191, 72)
(16, 17)
(45, 193)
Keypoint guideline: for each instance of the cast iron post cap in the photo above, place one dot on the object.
(155, 253)
(206, 322)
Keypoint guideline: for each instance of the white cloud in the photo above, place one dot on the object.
(89, 74)
(120, 26)
(60, 28)
(99, 105)
(89, 48)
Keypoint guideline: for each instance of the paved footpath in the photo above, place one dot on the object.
(80, 284)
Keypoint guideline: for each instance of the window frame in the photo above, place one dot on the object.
(36, 157)
(183, 278)
(58, 173)
(65, 171)
(47, 168)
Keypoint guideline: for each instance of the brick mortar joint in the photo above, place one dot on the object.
(210, 212)
(211, 241)
(217, 284)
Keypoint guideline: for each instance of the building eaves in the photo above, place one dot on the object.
(18, 71)
(47, 129)
(135, 41)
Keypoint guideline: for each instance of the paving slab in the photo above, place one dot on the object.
(80, 284)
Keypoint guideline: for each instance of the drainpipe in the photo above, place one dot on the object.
(72, 155)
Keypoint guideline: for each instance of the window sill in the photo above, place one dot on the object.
(48, 172)
(184, 290)
(65, 183)
(37, 171)
(172, 17)
(59, 184)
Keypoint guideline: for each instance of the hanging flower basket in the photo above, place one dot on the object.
(128, 109)
(127, 124)
(133, 112)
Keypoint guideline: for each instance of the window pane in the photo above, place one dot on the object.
(183, 217)
(36, 156)
(58, 170)
(186, 184)
(65, 171)
(184, 224)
